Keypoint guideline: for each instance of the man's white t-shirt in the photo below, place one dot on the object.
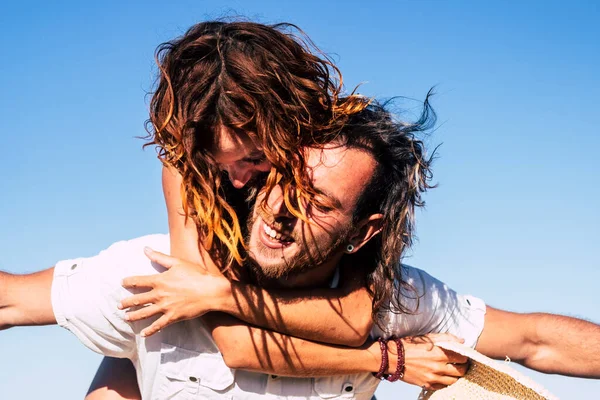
(182, 360)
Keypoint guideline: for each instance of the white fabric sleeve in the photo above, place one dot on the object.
(86, 293)
(434, 308)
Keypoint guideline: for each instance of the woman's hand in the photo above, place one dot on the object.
(427, 365)
(185, 291)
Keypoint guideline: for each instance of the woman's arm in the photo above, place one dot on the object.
(344, 314)
(188, 291)
(255, 349)
(182, 231)
(259, 350)
(247, 347)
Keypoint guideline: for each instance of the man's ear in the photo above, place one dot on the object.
(365, 230)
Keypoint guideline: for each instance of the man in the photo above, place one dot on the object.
(182, 359)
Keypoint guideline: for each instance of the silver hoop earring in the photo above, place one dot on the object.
(349, 248)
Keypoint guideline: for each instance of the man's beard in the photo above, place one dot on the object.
(273, 275)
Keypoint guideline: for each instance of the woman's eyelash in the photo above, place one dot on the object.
(257, 161)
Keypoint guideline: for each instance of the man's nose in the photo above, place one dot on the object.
(276, 203)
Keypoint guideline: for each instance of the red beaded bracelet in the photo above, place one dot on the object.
(384, 360)
(399, 373)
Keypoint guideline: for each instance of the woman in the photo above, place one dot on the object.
(243, 98)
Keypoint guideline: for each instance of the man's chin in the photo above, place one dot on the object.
(270, 273)
(265, 278)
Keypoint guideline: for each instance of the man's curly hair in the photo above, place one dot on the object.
(403, 173)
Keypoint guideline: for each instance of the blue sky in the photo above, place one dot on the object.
(514, 219)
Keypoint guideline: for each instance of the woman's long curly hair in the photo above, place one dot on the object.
(268, 83)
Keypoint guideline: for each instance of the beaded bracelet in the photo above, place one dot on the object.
(399, 373)
(384, 360)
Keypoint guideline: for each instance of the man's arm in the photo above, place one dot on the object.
(25, 299)
(547, 343)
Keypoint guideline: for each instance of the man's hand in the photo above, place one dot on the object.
(185, 291)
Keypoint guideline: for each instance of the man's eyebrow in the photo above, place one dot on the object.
(336, 202)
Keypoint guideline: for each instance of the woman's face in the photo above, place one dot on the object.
(239, 157)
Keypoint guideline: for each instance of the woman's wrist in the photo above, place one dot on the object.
(238, 300)
(374, 359)
(224, 301)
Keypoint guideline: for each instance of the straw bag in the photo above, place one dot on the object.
(487, 379)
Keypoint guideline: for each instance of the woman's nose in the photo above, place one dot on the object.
(239, 176)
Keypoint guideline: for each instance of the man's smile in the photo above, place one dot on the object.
(273, 238)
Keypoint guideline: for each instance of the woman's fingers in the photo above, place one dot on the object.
(157, 325)
(457, 370)
(454, 358)
(443, 382)
(143, 313)
(447, 377)
(138, 300)
(452, 374)
(160, 258)
(133, 282)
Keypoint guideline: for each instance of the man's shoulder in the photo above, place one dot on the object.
(157, 241)
(418, 280)
(86, 292)
(119, 260)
